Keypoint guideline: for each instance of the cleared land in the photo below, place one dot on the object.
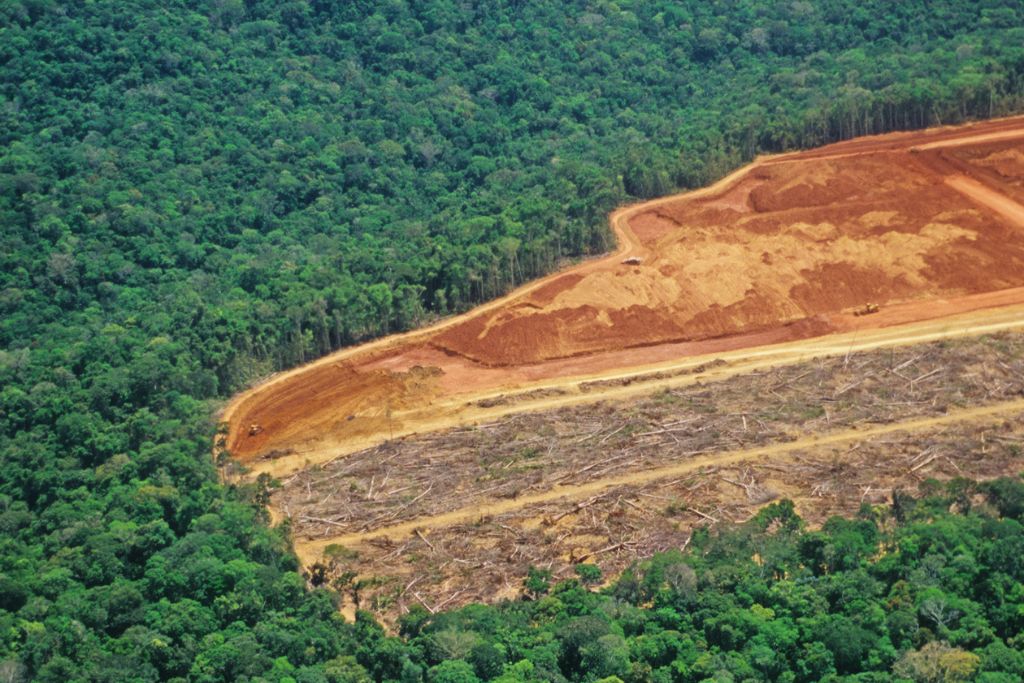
(459, 515)
(713, 363)
(926, 225)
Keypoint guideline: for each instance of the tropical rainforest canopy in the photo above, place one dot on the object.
(195, 193)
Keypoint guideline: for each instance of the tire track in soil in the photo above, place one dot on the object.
(311, 551)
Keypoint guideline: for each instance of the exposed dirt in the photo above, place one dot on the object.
(926, 225)
(1001, 165)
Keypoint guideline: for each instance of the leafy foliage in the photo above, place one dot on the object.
(194, 193)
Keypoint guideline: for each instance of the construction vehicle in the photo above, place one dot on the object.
(254, 429)
(868, 309)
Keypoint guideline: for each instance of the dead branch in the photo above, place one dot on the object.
(424, 539)
(702, 514)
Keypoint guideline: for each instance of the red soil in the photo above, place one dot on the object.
(922, 224)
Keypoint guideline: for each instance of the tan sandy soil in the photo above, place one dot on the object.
(780, 251)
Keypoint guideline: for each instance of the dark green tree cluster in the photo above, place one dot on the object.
(276, 179)
(194, 193)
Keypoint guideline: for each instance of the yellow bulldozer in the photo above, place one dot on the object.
(867, 309)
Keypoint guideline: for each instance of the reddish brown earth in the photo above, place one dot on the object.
(925, 225)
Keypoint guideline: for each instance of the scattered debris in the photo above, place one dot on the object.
(423, 476)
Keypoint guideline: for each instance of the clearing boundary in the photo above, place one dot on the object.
(361, 396)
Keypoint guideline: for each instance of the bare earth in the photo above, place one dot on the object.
(926, 225)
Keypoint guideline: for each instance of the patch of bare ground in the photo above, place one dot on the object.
(406, 510)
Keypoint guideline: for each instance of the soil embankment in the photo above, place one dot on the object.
(924, 225)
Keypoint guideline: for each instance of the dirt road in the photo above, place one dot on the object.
(986, 196)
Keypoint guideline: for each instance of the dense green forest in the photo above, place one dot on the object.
(195, 193)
